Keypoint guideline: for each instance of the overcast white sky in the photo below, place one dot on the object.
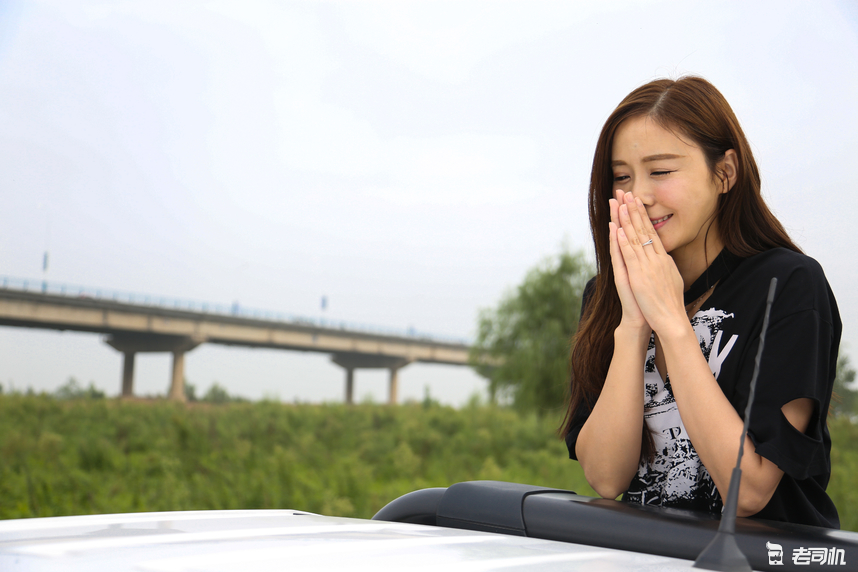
(408, 160)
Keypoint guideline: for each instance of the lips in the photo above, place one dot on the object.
(658, 222)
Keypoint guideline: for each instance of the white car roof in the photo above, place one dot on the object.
(263, 540)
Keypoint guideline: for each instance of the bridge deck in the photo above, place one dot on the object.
(50, 311)
(134, 327)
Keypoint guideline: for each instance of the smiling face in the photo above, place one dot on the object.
(674, 182)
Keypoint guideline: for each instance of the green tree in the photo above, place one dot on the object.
(190, 391)
(74, 390)
(846, 398)
(218, 394)
(522, 346)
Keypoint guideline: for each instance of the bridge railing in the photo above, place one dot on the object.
(234, 309)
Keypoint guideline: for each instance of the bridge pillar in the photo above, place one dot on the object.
(351, 361)
(350, 385)
(394, 386)
(128, 374)
(131, 343)
(177, 384)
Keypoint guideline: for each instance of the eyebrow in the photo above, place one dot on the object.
(651, 158)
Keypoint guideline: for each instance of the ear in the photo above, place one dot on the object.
(728, 167)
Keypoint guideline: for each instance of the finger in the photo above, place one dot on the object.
(621, 273)
(636, 216)
(616, 256)
(643, 226)
(628, 250)
(614, 206)
(620, 196)
(648, 230)
(622, 254)
(629, 228)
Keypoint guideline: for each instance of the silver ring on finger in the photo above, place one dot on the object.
(647, 242)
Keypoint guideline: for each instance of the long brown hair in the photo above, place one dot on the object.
(692, 108)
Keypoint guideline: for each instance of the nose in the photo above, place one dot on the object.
(641, 189)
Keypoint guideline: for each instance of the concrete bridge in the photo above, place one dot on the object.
(146, 324)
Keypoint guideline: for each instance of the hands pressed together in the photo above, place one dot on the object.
(648, 282)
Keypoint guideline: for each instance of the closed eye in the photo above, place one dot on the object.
(661, 173)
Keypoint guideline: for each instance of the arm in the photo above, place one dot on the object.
(715, 427)
(609, 444)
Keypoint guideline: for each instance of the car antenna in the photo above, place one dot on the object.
(723, 553)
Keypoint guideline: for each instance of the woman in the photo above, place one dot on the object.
(665, 349)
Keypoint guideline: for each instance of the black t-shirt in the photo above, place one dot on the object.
(799, 361)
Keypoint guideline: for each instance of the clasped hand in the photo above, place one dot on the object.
(648, 282)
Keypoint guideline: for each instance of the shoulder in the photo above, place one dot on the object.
(782, 262)
(801, 282)
(794, 271)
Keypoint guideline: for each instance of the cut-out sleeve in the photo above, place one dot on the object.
(799, 354)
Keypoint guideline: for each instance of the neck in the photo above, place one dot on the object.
(693, 259)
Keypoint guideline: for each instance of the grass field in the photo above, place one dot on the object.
(64, 457)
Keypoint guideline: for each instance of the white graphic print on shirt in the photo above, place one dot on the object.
(676, 477)
(707, 326)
